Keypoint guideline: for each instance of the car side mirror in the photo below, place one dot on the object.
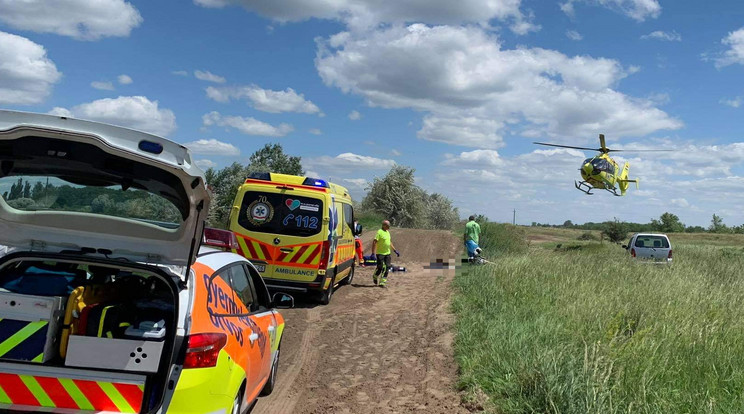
(358, 230)
(281, 300)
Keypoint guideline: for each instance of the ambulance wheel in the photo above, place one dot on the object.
(271, 382)
(347, 280)
(325, 297)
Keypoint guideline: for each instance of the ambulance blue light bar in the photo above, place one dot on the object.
(315, 182)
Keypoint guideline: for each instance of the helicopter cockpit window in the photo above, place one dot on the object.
(600, 164)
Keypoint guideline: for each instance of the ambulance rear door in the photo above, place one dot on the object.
(281, 232)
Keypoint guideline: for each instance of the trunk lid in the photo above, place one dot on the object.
(76, 186)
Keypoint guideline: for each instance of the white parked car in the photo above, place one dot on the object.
(650, 247)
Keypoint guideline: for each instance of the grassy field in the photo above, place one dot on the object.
(585, 330)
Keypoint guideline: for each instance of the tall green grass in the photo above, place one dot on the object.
(589, 331)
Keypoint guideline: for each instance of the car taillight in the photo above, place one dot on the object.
(204, 349)
(223, 239)
(670, 254)
(324, 253)
(632, 252)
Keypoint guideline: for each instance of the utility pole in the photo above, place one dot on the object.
(514, 219)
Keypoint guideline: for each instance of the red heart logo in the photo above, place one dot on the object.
(288, 202)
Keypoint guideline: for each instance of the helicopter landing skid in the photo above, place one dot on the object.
(613, 190)
(584, 187)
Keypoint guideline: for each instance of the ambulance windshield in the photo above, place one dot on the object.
(285, 214)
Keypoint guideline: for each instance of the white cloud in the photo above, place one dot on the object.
(735, 53)
(135, 112)
(485, 90)
(479, 158)
(248, 126)
(180, 73)
(265, 99)
(666, 36)
(355, 115)
(204, 164)
(638, 10)
(362, 14)
(124, 79)
(467, 131)
(103, 86)
(359, 183)
(80, 19)
(315, 131)
(395, 153)
(26, 73)
(212, 147)
(346, 163)
(734, 103)
(208, 76)
(574, 35)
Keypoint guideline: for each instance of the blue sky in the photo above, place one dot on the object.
(457, 90)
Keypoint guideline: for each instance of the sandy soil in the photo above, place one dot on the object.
(375, 350)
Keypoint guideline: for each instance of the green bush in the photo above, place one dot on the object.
(588, 236)
(499, 238)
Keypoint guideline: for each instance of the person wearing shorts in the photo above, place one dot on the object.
(471, 236)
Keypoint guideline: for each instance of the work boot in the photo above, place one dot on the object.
(383, 282)
(374, 280)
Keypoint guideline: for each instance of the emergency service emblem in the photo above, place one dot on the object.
(260, 211)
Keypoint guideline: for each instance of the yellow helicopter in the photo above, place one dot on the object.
(601, 171)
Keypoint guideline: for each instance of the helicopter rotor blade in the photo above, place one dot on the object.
(655, 150)
(566, 146)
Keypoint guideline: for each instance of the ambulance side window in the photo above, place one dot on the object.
(349, 219)
(242, 287)
(340, 226)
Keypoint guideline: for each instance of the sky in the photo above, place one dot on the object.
(457, 90)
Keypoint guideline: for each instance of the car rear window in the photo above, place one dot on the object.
(652, 242)
(49, 193)
(285, 214)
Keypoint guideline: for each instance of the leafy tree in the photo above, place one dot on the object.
(668, 223)
(224, 183)
(717, 226)
(272, 158)
(397, 197)
(695, 229)
(439, 212)
(615, 231)
(27, 190)
(568, 223)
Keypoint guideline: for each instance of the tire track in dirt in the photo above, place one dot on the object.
(375, 350)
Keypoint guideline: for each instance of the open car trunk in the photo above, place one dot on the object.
(82, 334)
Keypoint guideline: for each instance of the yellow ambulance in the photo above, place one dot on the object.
(297, 231)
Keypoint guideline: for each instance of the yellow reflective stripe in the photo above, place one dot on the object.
(20, 336)
(39, 358)
(244, 246)
(293, 254)
(76, 394)
(308, 252)
(116, 397)
(259, 252)
(102, 320)
(37, 391)
(4, 399)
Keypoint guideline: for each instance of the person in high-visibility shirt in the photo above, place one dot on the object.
(471, 237)
(382, 246)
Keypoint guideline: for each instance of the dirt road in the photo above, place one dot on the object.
(375, 350)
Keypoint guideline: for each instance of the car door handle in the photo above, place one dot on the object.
(286, 250)
(252, 337)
